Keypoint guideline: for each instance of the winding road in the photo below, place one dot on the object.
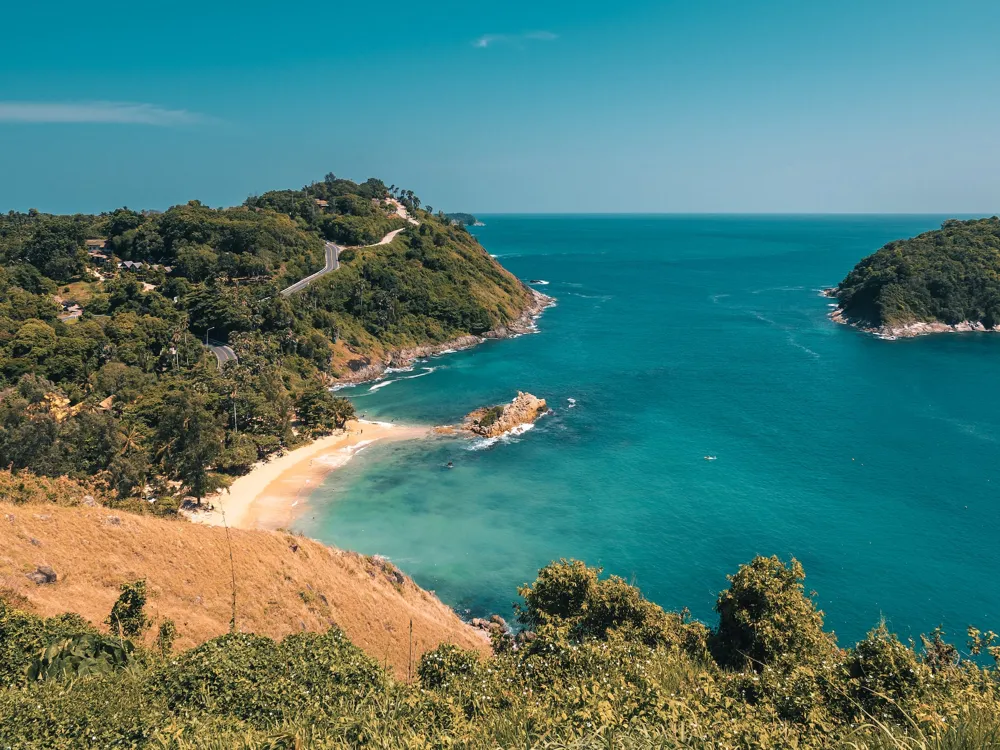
(224, 353)
(332, 264)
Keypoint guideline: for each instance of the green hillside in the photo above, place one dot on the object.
(103, 368)
(949, 275)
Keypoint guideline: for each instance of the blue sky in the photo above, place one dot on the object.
(648, 106)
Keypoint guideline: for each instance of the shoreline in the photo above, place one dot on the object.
(525, 323)
(909, 330)
(275, 492)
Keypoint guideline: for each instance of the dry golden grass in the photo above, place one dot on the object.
(80, 291)
(284, 583)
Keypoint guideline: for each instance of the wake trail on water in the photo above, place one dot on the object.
(789, 334)
(383, 383)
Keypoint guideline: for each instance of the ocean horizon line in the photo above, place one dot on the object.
(734, 214)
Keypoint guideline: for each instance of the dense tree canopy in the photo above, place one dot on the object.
(948, 275)
(126, 390)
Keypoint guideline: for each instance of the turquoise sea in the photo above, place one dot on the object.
(873, 462)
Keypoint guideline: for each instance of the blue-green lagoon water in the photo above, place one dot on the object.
(873, 462)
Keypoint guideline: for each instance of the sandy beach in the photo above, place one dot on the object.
(275, 492)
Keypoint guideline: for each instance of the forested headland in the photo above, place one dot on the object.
(105, 374)
(946, 278)
(465, 219)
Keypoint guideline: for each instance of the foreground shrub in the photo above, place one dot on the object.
(571, 598)
(590, 676)
(886, 679)
(254, 679)
(23, 636)
(765, 618)
(444, 664)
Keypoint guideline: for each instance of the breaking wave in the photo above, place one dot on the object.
(507, 437)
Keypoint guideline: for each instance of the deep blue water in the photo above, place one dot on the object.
(873, 462)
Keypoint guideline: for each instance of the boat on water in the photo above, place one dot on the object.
(710, 458)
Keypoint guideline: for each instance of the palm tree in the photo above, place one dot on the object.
(343, 410)
(130, 438)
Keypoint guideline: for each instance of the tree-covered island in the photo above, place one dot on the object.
(944, 280)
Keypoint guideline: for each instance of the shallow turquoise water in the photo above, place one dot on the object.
(873, 462)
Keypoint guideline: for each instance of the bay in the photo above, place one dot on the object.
(679, 337)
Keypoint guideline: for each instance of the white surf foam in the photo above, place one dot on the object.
(338, 458)
(507, 437)
(426, 371)
(383, 383)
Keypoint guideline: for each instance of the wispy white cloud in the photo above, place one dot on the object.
(95, 112)
(488, 40)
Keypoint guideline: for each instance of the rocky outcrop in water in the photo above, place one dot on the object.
(492, 421)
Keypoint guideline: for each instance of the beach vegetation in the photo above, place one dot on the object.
(490, 415)
(321, 411)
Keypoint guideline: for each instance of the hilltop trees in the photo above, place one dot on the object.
(568, 598)
(113, 392)
(766, 618)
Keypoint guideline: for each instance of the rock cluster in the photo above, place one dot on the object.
(492, 421)
(42, 574)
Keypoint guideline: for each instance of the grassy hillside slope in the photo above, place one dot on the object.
(600, 667)
(284, 584)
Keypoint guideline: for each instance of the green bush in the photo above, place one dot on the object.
(127, 617)
(80, 656)
(886, 679)
(438, 668)
(587, 678)
(766, 619)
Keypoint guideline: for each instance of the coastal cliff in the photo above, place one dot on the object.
(946, 280)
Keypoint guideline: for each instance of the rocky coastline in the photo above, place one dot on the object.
(907, 330)
(402, 358)
(493, 421)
